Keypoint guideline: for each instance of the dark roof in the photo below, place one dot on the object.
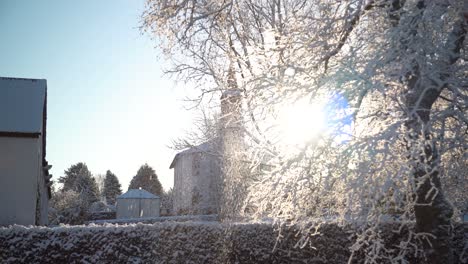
(22, 105)
(207, 147)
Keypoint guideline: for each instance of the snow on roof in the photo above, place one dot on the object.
(137, 194)
(207, 147)
(22, 105)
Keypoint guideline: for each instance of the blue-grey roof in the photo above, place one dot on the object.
(137, 194)
(22, 105)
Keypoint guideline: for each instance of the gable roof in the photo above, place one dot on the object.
(207, 147)
(137, 194)
(22, 105)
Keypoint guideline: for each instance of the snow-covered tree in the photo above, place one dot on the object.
(389, 79)
(146, 179)
(112, 187)
(100, 183)
(206, 127)
(67, 207)
(78, 192)
(167, 200)
(79, 179)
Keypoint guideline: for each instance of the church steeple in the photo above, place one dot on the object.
(233, 148)
(231, 102)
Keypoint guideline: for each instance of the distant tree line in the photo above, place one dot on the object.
(81, 192)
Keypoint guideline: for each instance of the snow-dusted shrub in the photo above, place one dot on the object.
(100, 211)
(151, 220)
(167, 200)
(100, 206)
(67, 207)
(188, 242)
(101, 216)
(167, 242)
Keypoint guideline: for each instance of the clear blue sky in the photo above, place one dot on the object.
(108, 103)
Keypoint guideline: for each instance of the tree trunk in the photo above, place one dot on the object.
(433, 212)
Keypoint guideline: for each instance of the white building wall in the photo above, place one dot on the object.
(183, 184)
(206, 174)
(137, 208)
(43, 217)
(127, 208)
(19, 173)
(44, 204)
(150, 207)
(196, 184)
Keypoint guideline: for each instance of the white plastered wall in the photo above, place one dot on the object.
(19, 173)
(207, 182)
(183, 184)
(136, 208)
(196, 172)
(43, 218)
(149, 207)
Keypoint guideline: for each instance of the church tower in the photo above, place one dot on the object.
(233, 150)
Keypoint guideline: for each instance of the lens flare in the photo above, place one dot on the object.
(301, 122)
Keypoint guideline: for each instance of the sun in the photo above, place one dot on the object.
(301, 122)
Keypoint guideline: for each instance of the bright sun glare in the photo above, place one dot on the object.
(301, 122)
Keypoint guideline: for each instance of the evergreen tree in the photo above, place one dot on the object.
(167, 201)
(79, 179)
(100, 182)
(112, 187)
(147, 179)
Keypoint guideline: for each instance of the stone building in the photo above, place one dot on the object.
(201, 172)
(197, 174)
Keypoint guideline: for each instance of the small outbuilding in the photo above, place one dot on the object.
(138, 203)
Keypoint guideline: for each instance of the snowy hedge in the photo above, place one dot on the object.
(171, 242)
(152, 220)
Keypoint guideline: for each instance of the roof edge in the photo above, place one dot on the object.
(22, 79)
(200, 148)
(141, 192)
(20, 134)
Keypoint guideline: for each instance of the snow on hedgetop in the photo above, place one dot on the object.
(137, 194)
(22, 104)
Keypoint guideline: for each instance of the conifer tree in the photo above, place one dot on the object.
(147, 179)
(112, 187)
(78, 178)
